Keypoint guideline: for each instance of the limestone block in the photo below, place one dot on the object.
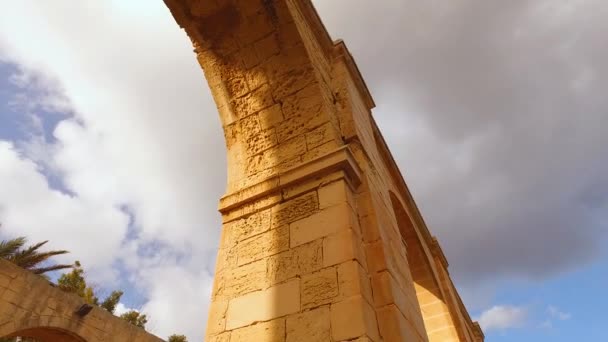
(387, 291)
(353, 280)
(319, 288)
(244, 228)
(260, 246)
(320, 151)
(226, 259)
(313, 183)
(260, 24)
(376, 260)
(291, 148)
(352, 318)
(271, 331)
(394, 327)
(224, 337)
(249, 58)
(320, 135)
(253, 101)
(425, 296)
(309, 326)
(256, 77)
(293, 81)
(264, 305)
(237, 86)
(447, 334)
(437, 322)
(365, 205)
(341, 247)
(256, 140)
(298, 125)
(270, 117)
(294, 209)
(267, 47)
(292, 58)
(295, 262)
(323, 223)
(369, 228)
(241, 280)
(335, 193)
(306, 101)
(433, 308)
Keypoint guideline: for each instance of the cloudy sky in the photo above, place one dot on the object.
(496, 111)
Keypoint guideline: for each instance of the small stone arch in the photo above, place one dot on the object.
(30, 306)
(43, 334)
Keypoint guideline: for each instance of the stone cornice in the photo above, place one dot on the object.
(341, 53)
(335, 50)
(339, 160)
(438, 253)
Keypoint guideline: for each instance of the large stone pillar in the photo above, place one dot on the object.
(310, 247)
(290, 265)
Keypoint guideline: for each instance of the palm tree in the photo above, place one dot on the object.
(29, 258)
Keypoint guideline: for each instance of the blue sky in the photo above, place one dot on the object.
(495, 113)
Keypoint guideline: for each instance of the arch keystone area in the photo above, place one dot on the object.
(321, 239)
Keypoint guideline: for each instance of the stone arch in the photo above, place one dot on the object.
(30, 306)
(47, 334)
(268, 74)
(434, 309)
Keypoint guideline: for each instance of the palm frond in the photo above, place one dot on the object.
(41, 270)
(29, 258)
(10, 247)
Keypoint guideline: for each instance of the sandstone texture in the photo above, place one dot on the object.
(32, 307)
(321, 238)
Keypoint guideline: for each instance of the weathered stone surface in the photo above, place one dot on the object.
(394, 327)
(295, 262)
(319, 288)
(323, 223)
(335, 193)
(246, 227)
(216, 323)
(306, 234)
(294, 209)
(341, 247)
(353, 318)
(271, 331)
(241, 280)
(263, 305)
(309, 326)
(29, 303)
(266, 244)
(353, 280)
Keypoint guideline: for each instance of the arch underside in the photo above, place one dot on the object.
(438, 319)
(46, 334)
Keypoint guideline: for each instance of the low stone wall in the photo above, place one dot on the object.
(30, 306)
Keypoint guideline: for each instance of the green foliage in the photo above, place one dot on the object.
(111, 301)
(75, 282)
(177, 338)
(29, 258)
(136, 318)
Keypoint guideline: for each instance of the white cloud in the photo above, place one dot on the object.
(502, 317)
(139, 140)
(556, 313)
(145, 136)
(91, 230)
(121, 309)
